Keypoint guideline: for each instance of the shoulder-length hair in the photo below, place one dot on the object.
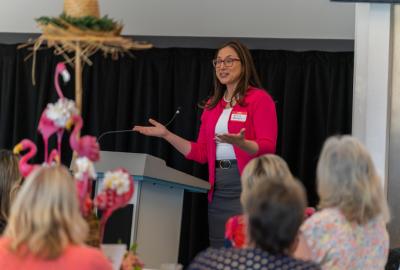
(45, 216)
(248, 77)
(347, 179)
(275, 210)
(263, 168)
(10, 182)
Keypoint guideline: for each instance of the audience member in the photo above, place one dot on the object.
(274, 210)
(10, 182)
(259, 169)
(350, 230)
(45, 228)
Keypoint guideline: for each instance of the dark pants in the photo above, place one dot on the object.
(225, 203)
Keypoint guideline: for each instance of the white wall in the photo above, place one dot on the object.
(315, 19)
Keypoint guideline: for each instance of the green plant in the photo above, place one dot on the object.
(47, 20)
(89, 22)
(133, 248)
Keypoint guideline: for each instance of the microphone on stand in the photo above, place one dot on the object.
(130, 130)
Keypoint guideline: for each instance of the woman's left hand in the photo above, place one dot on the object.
(234, 139)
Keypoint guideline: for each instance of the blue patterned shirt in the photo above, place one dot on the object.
(243, 259)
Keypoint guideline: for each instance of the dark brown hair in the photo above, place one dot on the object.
(10, 182)
(248, 77)
(275, 210)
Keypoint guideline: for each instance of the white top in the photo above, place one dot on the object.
(224, 150)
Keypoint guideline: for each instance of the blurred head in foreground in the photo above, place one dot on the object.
(274, 209)
(263, 168)
(10, 182)
(45, 215)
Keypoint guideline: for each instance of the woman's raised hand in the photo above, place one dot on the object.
(238, 140)
(157, 130)
(234, 139)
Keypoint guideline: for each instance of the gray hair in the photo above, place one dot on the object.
(347, 179)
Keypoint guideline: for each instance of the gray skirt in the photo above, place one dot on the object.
(225, 203)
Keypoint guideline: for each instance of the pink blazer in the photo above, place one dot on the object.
(260, 124)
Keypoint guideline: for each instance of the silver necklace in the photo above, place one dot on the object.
(227, 101)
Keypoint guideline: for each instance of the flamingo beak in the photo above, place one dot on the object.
(65, 75)
(69, 124)
(57, 159)
(17, 148)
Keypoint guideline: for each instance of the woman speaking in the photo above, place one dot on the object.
(238, 124)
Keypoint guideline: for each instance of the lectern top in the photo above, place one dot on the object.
(149, 167)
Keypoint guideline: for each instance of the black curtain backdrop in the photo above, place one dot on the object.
(312, 90)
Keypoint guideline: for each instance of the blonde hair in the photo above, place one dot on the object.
(347, 179)
(10, 182)
(45, 215)
(263, 168)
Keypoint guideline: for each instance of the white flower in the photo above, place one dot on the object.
(83, 165)
(60, 112)
(123, 186)
(53, 163)
(118, 181)
(108, 180)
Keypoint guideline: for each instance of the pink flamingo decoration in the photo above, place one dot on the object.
(82, 190)
(86, 146)
(54, 117)
(24, 167)
(85, 203)
(118, 188)
(85, 171)
(89, 151)
(54, 156)
(46, 128)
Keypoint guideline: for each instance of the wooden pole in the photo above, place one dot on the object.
(78, 78)
(94, 224)
(78, 91)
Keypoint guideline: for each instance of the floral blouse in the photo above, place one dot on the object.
(336, 243)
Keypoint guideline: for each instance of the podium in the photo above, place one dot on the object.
(156, 205)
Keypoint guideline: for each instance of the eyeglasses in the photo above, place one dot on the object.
(228, 62)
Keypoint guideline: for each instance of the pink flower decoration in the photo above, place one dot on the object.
(111, 198)
(131, 261)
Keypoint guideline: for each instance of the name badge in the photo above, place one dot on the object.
(239, 116)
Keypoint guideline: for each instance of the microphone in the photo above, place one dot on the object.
(176, 113)
(130, 130)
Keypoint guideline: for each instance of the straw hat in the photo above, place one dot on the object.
(81, 8)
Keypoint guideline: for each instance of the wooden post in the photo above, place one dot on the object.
(78, 78)
(78, 91)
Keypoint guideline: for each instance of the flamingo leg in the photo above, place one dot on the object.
(82, 189)
(45, 149)
(103, 222)
(90, 187)
(59, 138)
(85, 186)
